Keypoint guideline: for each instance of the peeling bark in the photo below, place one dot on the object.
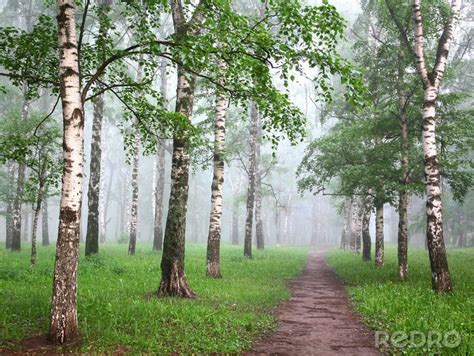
(63, 325)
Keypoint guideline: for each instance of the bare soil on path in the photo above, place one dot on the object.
(318, 319)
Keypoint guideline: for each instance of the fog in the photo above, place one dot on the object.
(305, 219)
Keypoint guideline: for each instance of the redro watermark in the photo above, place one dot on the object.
(417, 339)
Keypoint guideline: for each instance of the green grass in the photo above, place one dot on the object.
(389, 305)
(228, 315)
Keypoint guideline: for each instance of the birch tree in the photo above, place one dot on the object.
(252, 168)
(63, 324)
(214, 237)
(441, 279)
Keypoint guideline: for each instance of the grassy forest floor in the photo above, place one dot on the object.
(390, 305)
(114, 314)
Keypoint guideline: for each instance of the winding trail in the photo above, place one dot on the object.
(318, 319)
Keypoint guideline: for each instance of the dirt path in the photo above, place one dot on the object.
(318, 319)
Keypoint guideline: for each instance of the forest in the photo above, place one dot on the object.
(237, 176)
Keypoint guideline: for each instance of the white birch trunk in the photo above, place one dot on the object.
(63, 322)
(217, 188)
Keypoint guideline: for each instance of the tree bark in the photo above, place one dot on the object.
(403, 193)
(16, 209)
(441, 279)
(173, 279)
(93, 194)
(134, 203)
(366, 241)
(252, 167)
(37, 210)
(379, 236)
(63, 322)
(44, 223)
(217, 187)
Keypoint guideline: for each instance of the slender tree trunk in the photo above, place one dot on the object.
(217, 187)
(173, 279)
(366, 241)
(404, 178)
(354, 224)
(44, 223)
(379, 237)
(359, 228)
(9, 212)
(214, 236)
(134, 203)
(93, 194)
(16, 211)
(63, 322)
(252, 168)
(258, 214)
(37, 210)
(258, 189)
(440, 277)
